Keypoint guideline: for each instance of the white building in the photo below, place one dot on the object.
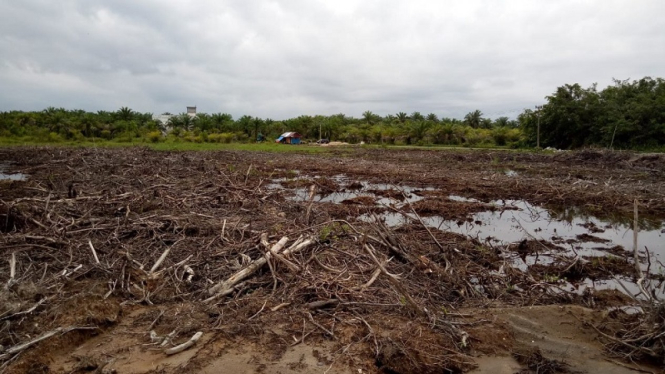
(191, 111)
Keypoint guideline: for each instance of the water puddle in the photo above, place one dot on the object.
(10, 176)
(380, 193)
(515, 220)
(461, 199)
(570, 229)
(507, 223)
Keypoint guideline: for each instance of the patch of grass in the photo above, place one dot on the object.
(257, 147)
(173, 146)
(551, 278)
(19, 142)
(325, 233)
(441, 147)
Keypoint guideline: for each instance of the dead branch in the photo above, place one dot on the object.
(226, 285)
(393, 279)
(184, 346)
(94, 253)
(60, 330)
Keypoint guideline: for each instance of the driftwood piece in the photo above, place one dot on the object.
(228, 284)
(185, 345)
(12, 266)
(160, 260)
(321, 303)
(293, 267)
(94, 253)
(278, 307)
(12, 271)
(226, 287)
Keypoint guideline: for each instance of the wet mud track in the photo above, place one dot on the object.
(394, 261)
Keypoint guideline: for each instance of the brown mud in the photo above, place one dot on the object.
(111, 257)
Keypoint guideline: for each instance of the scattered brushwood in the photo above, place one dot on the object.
(641, 336)
(142, 229)
(536, 363)
(93, 231)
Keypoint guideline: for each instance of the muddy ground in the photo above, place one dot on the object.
(394, 261)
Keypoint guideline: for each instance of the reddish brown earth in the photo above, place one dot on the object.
(455, 304)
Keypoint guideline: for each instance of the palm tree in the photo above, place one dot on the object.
(125, 114)
(474, 119)
(402, 117)
(368, 117)
(416, 116)
(501, 122)
(432, 117)
(222, 122)
(257, 123)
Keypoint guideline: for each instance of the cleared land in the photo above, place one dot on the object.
(348, 261)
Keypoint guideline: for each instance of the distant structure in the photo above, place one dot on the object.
(289, 138)
(165, 117)
(191, 111)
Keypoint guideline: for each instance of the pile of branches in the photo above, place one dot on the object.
(643, 337)
(155, 228)
(640, 337)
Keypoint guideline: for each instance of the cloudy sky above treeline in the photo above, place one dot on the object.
(283, 58)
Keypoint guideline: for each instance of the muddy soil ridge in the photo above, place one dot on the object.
(357, 260)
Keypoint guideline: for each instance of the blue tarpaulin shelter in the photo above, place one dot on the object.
(289, 138)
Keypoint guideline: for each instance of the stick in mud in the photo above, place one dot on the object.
(185, 345)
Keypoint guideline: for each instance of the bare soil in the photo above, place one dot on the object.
(85, 231)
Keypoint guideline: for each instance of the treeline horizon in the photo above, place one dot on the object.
(626, 115)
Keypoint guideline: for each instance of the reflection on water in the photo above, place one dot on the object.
(587, 235)
(579, 233)
(10, 176)
(512, 221)
(381, 193)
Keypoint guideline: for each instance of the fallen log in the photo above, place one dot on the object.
(228, 284)
(225, 287)
(293, 267)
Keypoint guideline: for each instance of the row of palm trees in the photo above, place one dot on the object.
(127, 123)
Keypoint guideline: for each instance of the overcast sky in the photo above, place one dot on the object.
(284, 58)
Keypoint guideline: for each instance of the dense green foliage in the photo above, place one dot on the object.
(125, 125)
(624, 115)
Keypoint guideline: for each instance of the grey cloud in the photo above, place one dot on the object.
(285, 58)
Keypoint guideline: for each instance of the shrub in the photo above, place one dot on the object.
(54, 137)
(154, 136)
(215, 138)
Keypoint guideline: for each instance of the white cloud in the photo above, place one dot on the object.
(284, 58)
